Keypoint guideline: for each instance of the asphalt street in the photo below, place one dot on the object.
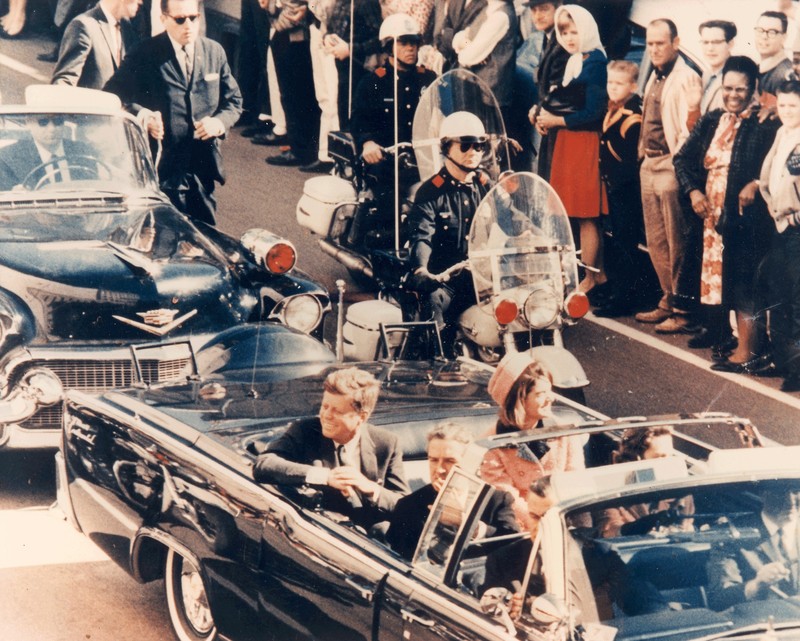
(56, 586)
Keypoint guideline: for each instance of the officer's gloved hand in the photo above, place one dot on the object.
(423, 281)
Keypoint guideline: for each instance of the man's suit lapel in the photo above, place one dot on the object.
(108, 36)
(369, 459)
(27, 158)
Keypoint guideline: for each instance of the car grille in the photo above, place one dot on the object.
(98, 375)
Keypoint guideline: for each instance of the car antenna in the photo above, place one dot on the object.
(252, 392)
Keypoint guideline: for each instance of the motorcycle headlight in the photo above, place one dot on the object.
(302, 312)
(275, 254)
(541, 308)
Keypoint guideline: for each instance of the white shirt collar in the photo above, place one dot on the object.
(46, 155)
(179, 47)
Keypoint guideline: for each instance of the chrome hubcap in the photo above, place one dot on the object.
(195, 601)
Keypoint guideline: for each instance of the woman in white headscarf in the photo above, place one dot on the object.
(574, 111)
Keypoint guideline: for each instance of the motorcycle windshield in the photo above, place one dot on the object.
(457, 90)
(521, 242)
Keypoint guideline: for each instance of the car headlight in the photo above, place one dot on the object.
(42, 386)
(302, 312)
(541, 308)
(275, 254)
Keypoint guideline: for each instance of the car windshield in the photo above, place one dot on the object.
(667, 559)
(65, 151)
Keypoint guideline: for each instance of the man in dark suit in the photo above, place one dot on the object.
(47, 151)
(95, 43)
(769, 570)
(358, 466)
(181, 88)
(447, 444)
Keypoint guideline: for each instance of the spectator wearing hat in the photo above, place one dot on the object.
(523, 389)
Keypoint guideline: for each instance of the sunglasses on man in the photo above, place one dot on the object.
(477, 145)
(183, 19)
(58, 121)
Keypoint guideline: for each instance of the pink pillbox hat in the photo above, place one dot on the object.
(507, 372)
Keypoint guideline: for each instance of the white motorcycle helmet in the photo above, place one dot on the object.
(461, 126)
(396, 26)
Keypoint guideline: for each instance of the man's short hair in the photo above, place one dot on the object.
(777, 15)
(450, 431)
(625, 66)
(728, 28)
(673, 28)
(361, 387)
(790, 86)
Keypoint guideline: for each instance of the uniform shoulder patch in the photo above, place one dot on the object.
(380, 72)
(437, 180)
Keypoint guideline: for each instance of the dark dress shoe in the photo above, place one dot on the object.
(730, 367)
(257, 129)
(701, 340)
(285, 159)
(600, 295)
(722, 350)
(50, 56)
(791, 384)
(247, 119)
(769, 371)
(317, 167)
(269, 139)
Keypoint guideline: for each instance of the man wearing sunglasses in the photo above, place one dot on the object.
(183, 92)
(440, 220)
(45, 156)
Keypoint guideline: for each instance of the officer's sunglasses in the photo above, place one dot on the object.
(477, 145)
(408, 40)
(182, 19)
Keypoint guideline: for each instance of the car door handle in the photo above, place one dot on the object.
(411, 617)
(365, 593)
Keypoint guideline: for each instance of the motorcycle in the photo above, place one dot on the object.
(525, 273)
(353, 211)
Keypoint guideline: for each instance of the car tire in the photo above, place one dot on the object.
(187, 600)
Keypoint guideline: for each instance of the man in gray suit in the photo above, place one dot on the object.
(95, 43)
(358, 467)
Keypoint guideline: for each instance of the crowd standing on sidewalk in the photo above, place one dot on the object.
(702, 167)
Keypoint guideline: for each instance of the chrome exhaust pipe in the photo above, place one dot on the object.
(347, 258)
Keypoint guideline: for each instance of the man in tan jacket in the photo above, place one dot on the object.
(674, 232)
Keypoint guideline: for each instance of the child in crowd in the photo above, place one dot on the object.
(627, 267)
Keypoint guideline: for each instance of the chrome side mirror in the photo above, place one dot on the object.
(549, 611)
(494, 602)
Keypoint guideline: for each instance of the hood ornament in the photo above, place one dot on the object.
(157, 321)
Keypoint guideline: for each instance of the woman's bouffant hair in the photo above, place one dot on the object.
(512, 411)
(636, 440)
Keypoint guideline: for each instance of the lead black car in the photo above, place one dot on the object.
(162, 481)
(94, 259)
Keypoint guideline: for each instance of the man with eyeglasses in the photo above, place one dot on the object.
(774, 65)
(439, 224)
(44, 157)
(183, 92)
(717, 40)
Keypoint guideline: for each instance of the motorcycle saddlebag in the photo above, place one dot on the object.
(321, 195)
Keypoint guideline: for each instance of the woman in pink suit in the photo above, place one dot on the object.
(523, 389)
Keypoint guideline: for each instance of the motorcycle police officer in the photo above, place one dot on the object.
(439, 223)
(372, 123)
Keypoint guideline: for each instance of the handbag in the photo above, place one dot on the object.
(563, 101)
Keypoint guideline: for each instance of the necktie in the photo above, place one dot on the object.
(118, 45)
(341, 456)
(187, 62)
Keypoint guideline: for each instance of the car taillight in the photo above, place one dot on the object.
(577, 305)
(506, 311)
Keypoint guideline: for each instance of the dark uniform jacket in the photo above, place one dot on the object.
(619, 156)
(439, 221)
(411, 512)
(302, 446)
(87, 54)
(373, 105)
(151, 77)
